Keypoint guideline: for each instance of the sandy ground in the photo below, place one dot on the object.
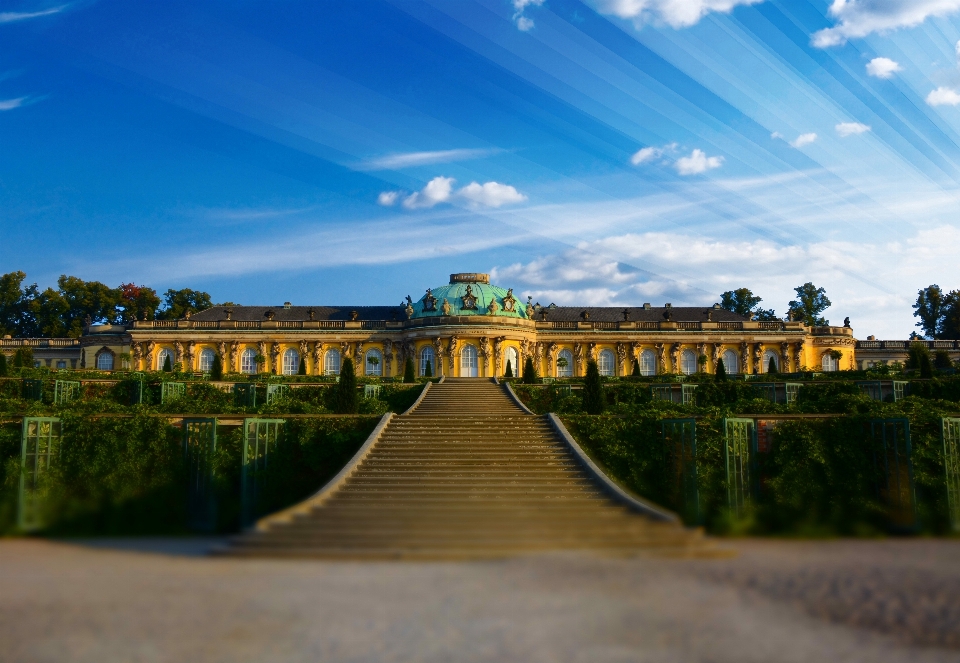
(146, 600)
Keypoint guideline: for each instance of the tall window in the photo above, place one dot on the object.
(648, 363)
(331, 362)
(829, 363)
(767, 356)
(206, 360)
(468, 362)
(605, 362)
(688, 362)
(730, 362)
(248, 361)
(564, 367)
(162, 358)
(374, 362)
(61, 364)
(427, 356)
(511, 357)
(291, 362)
(105, 361)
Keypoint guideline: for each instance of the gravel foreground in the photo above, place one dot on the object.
(162, 600)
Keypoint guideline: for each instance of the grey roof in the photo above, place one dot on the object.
(558, 314)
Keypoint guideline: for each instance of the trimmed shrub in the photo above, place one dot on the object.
(529, 372)
(216, 371)
(593, 400)
(408, 373)
(347, 400)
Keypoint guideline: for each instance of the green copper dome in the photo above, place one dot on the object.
(469, 294)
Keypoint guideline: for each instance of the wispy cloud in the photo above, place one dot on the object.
(10, 104)
(440, 190)
(883, 67)
(943, 96)
(11, 17)
(698, 162)
(845, 129)
(859, 18)
(524, 23)
(647, 154)
(411, 159)
(675, 13)
(804, 139)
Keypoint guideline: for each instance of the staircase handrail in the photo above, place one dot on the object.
(423, 392)
(285, 516)
(516, 399)
(631, 501)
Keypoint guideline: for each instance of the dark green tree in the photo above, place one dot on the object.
(176, 303)
(636, 369)
(23, 357)
(216, 371)
(428, 370)
(3, 365)
(347, 400)
(529, 372)
(743, 302)
(593, 402)
(167, 364)
(301, 365)
(919, 359)
(772, 366)
(811, 301)
(929, 308)
(950, 322)
(941, 359)
(720, 373)
(137, 302)
(16, 313)
(509, 372)
(408, 373)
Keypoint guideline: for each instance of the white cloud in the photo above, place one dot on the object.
(676, 13)
(943, 96)
(524, 24)
(10, 17)
(776, 134)
(845, 129)
(491, 194)
(437, 190)
(804, 139)
(698, 162)
(883, 67)
(957, 49)
(644, 155)
(388, 198)
(859, 18)
(410, 159)
(10, 104)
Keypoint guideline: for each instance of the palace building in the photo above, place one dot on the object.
(465, 328)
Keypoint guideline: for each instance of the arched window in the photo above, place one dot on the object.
(605, 362)
(688, 362)
(427, 356)
(767, 356)
(829, 363)
(248, 361)
(162, 358)
(648, 363)
(291, 362)
(206, 360)
(468, 362)
(730, 362)
(105, 361)
(564, 364)
(331, 362)
(511, 357)
(374, 363)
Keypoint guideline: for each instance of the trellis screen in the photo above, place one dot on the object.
(39, 450)
(245, 394)
(680, 446)
(371, 391)
(260, 438)
(65, 391)
(171, 391)
(275, 391)
(951, 466)
(199, 445)
(740, 442)
(32, 390)
(891, 438)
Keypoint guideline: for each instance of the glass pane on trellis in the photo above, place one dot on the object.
(245, 394)
(687, 395)
(275, 391)
(133, 391)
(951, 467)
(260, 438)
(32, 390)
(371, 391)
(199, 445)
(895, 481)
(767, 390)
(65, 391)
(680, 446)
(873, 390)
(793, 389)
(171, 391)
(899, 390)
(661, 392)
(740, 446)
(39, 450)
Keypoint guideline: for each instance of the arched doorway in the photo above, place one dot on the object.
(468, 362)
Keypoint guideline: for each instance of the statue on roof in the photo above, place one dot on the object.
(429, 301)
(445, 307)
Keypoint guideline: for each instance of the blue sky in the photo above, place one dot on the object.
(605, 152)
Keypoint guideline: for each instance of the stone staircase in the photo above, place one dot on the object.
(466, 474)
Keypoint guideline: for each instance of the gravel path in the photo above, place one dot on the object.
(776, 601)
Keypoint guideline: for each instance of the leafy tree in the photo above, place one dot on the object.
(16, 316)
(941, 359)
(3, 365)
(950, 323)
(408, 373)
(216, 371)
(509, 372)
(929, 308)
(811, 301)
(137, 302)
(743, 302)
(720, 374)
(167, 364)
(347, 400)
(23, 357)
(919, 358)
(176, 303)
(87, 298)
(593, 402)
(636, 369)
(428, 370)
(529, 372)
